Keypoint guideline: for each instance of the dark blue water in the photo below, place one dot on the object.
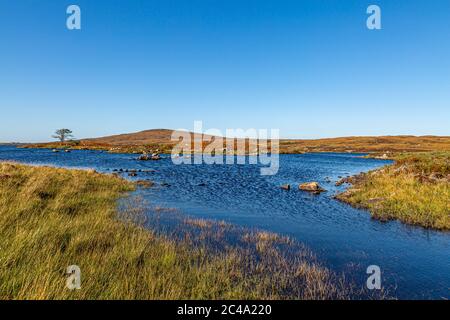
(415, 262)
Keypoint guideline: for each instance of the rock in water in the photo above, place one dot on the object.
(143, 157)
(286, 187)
(311, 187)
(145, 183)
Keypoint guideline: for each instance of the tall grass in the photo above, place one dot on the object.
(52, 218)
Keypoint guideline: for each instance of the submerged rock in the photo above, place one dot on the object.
(145, 183)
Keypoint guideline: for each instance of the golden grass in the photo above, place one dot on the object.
(380, 144)
(52, 218)
(416, 190)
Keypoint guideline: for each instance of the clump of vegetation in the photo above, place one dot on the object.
(425, 163)
(53, 218)
(415, 190)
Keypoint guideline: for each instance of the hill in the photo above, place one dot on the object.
(161, 139)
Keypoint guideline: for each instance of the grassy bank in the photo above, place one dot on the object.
(415, 190)
(52, 218)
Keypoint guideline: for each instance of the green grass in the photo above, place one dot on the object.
(52, 218)
(416, 190)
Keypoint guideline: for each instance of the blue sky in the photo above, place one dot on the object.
(310, 68)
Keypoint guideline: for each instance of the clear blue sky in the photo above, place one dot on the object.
(310, 68)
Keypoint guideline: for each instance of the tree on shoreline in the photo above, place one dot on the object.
(63, 134)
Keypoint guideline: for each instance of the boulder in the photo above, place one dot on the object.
(132, 174)
(311, 187)
(286, 187)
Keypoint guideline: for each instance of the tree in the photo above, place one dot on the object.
(63, 134)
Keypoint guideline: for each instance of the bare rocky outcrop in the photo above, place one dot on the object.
(351, 180)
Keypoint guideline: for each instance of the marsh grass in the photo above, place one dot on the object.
(51, 218)
(416, 190)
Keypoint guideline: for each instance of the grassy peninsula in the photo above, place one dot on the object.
(415, 190)
(51, 218)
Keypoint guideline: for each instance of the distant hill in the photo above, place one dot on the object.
(154, 136)
(341, 144)
(161, 139)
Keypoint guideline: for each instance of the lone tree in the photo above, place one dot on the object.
(63, 134)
